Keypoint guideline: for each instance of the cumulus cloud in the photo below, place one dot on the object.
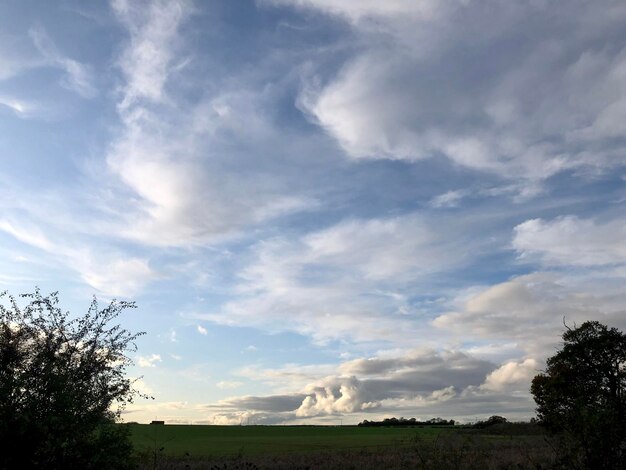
(512, 374)
(338, 395)
(202, 330)
(433, 78)
(366, 384)
(418, 382)
(572, 241)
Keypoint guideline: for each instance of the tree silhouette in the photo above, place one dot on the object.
(582, 393)
(63, 385)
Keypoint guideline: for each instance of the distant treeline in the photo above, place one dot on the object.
(407, 422)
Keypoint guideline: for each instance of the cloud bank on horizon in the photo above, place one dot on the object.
(325, 210)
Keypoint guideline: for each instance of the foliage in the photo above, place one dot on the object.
(63, 385)
(406, 422)
(582, 393)
(492, 421)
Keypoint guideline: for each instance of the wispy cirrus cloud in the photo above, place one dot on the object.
(21, 108)
(346, 281)
(154, 39)
(108, 271)
(78, 77)
(173, 154)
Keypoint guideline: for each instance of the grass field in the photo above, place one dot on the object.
(205, 441)
(188, 447)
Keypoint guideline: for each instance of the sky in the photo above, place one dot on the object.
(325, 211)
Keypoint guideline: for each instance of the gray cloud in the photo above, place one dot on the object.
(378, 383)
(274, 403)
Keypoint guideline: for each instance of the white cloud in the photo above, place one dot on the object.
(10, 67)
(571, 241)
(153, 30)
(347, 281)
(412, 379)
(78, 77)
(21, 108)
(419, 382)
(109, 272)
(448, 199)
(142, 387)
(202, 330)
(513, 374)
(529, 310)
(30, 235)
(356, 10)
(241, 418)
(228, 384)
(176, 157)
(149, 361)
(432, 78)
(17, 56)
(123, 277)
(289, 378)
(335, 396)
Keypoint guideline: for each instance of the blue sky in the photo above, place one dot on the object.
(324, 210)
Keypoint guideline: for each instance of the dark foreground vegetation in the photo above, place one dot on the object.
(581, 396)
(407, 422)
(63, 385)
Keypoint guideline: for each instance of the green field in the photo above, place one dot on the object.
(213, 441)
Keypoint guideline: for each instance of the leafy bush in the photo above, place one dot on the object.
(63, 385)
(582, 395)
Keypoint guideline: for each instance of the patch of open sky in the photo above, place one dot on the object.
(235, 35)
